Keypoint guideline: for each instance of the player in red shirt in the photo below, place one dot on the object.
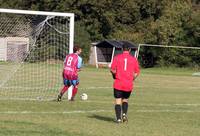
(125, 69)
(72, 65)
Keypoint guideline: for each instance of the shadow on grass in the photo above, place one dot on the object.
(103, 118)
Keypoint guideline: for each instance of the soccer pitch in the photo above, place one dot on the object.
(165, 102)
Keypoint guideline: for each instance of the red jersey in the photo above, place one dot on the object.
(70, 70)
(125, 66)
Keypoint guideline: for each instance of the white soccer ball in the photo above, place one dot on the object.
(39, 98)
(84, 96)
(109, 65)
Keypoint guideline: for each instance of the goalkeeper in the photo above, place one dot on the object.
(72, 65)
(124, 69)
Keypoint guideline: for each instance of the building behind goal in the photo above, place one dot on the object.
(13, 45)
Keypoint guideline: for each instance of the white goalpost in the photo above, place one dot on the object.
(180, 56)
(33, 45)
(165, 46)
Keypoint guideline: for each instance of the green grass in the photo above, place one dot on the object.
(165, 102)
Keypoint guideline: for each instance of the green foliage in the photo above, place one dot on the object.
(192, 29)
(169, 25)
(82, 38)
(165, 22)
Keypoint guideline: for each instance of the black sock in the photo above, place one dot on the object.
(124, 107)
(61, 94)
(118, 111)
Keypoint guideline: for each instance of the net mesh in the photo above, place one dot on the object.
(32, 51)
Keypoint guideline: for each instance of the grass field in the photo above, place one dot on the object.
(165, 102)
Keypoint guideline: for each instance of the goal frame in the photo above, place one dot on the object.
(165, 46)
(71, 26)
(30, 12)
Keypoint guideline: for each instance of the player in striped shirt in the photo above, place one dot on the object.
(72, 65)
(125, 69)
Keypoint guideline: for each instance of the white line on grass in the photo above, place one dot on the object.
(42, 88)
(97, 87)
(168, 105)
(150, 104)
(87, 88)
(94, 111)
(53, 112)
(112, 102)
(167, 111)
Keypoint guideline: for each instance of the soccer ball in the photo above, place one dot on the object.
(84, 96)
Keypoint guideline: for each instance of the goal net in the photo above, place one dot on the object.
(33, 46)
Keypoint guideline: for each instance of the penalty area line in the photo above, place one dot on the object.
(167, 111)
(150, 104)
(95, 111)
(53, 112)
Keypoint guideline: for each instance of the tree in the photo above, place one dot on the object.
(146, 21)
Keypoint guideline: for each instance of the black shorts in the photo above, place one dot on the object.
(121, 94)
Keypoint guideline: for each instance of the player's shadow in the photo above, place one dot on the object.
(95, 116)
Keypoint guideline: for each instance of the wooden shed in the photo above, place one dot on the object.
(13, 48)
(102, 53)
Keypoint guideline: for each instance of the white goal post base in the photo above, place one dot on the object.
(69, 95)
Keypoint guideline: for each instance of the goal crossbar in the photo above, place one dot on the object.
(70, 15)
(166, 46)
(16, 11)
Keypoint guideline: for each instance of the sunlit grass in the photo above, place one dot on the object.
(164, 103)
